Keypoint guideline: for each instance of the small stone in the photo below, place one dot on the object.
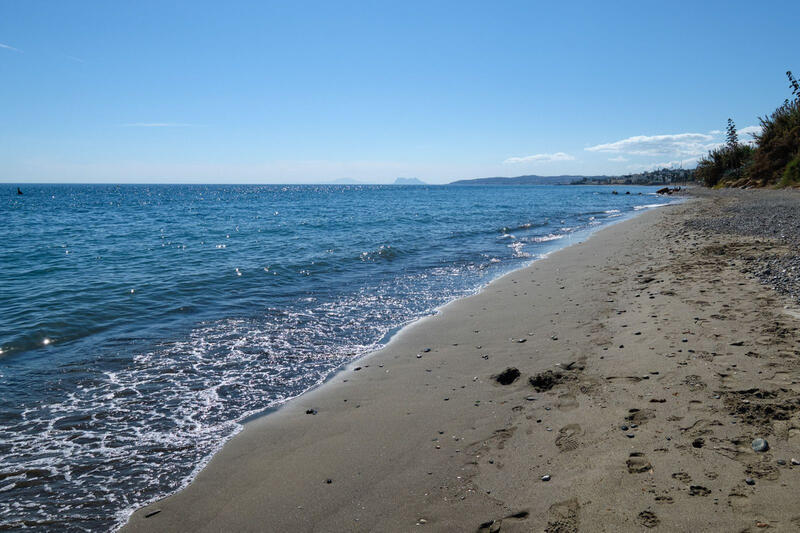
(531, 398)
(554, 338)
(419, 356)
(426, 350)
(329, 481)
(356, 369)
(750, 481)
(546, 477)
(781, 462)
(422, 521)
(634, 426)
(521, 340)
(624, 428)
(759, 445)
(630, 435)
(311, 411)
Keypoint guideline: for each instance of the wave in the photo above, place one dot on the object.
(648, 206)
(546, 238)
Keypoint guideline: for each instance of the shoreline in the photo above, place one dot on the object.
(570, 239)
(434, 441)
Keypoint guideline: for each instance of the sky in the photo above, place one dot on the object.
(311, 92)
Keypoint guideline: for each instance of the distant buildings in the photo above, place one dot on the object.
(662, 176)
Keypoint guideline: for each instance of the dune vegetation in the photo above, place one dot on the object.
(771, 159)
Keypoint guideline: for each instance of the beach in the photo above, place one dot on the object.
(615, 385)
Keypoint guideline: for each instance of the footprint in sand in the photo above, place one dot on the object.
(698, 490)
(648, 519)
(563, 517)
(494, 526)
(682, 476)
(763, 470)
(694, 382)
(567, 437)
(567, 402)
(640, 416)
(637, 463)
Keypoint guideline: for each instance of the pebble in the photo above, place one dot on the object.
(419, 356)
(750, 481)
(546, 477)
(624, 428)
(630, 435)
(329, 481)
(311, 411)
(781, 462)
(795, 462)
(426, 350)
(759, 445)
(531, 398)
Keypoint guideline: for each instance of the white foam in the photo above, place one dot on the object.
(648, 206)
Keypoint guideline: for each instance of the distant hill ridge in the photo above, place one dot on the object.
(409, 181)
(526, 180)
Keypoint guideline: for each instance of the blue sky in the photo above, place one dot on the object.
(316, 91)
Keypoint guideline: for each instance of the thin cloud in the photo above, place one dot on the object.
(76, 59)
(751, 130)
(678, 144)
(157, 125)
(618, 159)
(558, 156)
(8, 47)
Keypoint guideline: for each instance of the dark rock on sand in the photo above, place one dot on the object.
(546, 380)
(759, 445)
(507, 376)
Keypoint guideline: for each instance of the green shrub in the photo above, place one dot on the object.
(778, 144)
(724, 165)
(791, 174)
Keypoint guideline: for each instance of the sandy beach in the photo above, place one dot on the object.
(616, 385)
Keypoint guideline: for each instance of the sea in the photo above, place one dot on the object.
(141, 325)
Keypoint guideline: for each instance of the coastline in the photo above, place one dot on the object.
(434, 441)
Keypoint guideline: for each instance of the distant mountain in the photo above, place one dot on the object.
(525, 180)
(409, 181)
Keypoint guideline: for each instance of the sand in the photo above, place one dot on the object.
(647, 325)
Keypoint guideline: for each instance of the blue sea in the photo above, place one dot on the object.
(141, 324)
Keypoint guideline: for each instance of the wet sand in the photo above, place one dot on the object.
(649, 325)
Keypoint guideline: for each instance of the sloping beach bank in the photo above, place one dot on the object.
(654, 324)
